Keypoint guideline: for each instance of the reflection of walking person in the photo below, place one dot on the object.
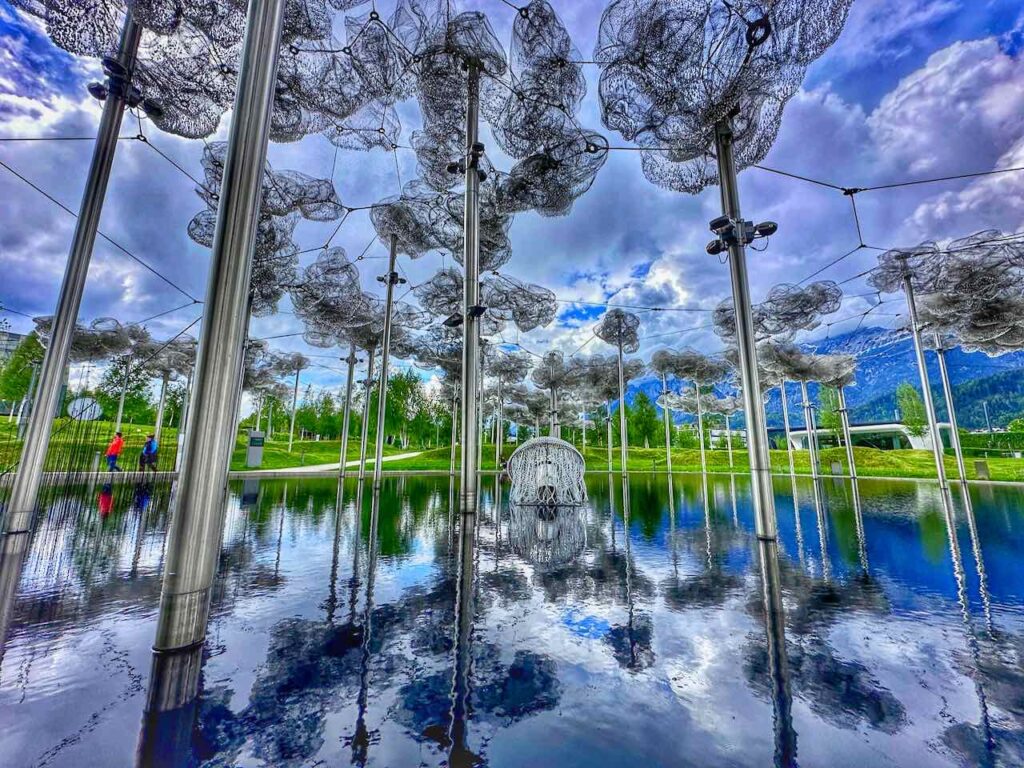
(106, 499)
(114, 452)
(147, 459)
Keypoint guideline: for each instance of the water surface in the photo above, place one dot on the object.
(631, 633)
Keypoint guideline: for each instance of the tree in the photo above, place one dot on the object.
(1017, 425)
(828, 410)
(125, 373)
(16, 374)
(911, 409)
(642, 420)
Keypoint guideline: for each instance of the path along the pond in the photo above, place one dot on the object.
(329, 467)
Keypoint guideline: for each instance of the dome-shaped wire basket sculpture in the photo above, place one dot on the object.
(547, 471)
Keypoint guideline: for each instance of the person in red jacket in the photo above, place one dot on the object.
(114, 452)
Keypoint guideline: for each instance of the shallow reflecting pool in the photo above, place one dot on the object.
(632, 632)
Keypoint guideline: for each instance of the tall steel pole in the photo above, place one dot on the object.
(161, 404)
(623, 437)
(197, 523)
(391, 280)
(120, 400)
(346, 417)
(556, 425)
(365, 429)
(762, 494)
(25, 491)
(700, 430)
(785, 426)
(926, 390)
(844, 418)
(455, 436)
(954, 427)
(295, 402)
(812, 434)
(471, 297)
(608, 422)
(668, 427)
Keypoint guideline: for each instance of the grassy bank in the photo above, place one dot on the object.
(871, 462)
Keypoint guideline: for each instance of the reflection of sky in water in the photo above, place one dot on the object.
(648, 648)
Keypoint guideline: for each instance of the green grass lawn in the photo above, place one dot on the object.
(74, 446)
(871, 462)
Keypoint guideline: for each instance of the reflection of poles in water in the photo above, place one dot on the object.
(979, 561)
(965, 615)
(455, 435)
(332, 589)
(611, 506)
(280, 531)
(629, 573)
(360, 740)
(497, 518)
(707, 517)
(858, 518)
(672, 526)
(778, 662)
(819, 512)
(172, 704)
(460, 754)
(357, 535)
(732, 494)
(798, 524)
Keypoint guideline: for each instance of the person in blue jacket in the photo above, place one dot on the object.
(147, 459)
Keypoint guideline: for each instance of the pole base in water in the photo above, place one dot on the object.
(182, 622)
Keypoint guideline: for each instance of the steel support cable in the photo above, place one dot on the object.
(110, 240)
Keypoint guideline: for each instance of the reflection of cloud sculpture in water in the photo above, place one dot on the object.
(672, 69)
(786, 309)
(547, 535)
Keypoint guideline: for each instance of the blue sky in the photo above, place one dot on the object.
(913, 89)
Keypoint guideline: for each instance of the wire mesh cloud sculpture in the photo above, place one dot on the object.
(971, 291)
(287, 195)
(328, 298)
(174, 357)
(786, 309)
(836, 370)
(548, 472)
(508, 300)
(102, 339)
(509, 367)
(672, 69)
(619, 328)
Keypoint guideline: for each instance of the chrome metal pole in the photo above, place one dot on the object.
(623, 435)
(295, 402)
(120, 400)
(668, 428)
(365, 429)
(954, 427)
(471, 299)
(25, 491)
(608, 421)
(700, 431)
(926, 390)
(390, 279)
(556, 425)
(728, 439)
(844, 418)
(197, 523)
(455, 427)
(762, 494)
(160, 406)
(346, 417)
(785, 426)
(183, 418)
(812, 442)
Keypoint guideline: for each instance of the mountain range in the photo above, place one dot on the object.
(885, 359)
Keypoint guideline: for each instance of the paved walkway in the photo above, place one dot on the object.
(335, 466)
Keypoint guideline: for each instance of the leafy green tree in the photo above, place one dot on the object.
(1017, 425)
(911, 409)
(16, 374)
(828, 410)
(125, 373)
(642, 420)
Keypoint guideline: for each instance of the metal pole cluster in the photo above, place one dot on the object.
(844, 416)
